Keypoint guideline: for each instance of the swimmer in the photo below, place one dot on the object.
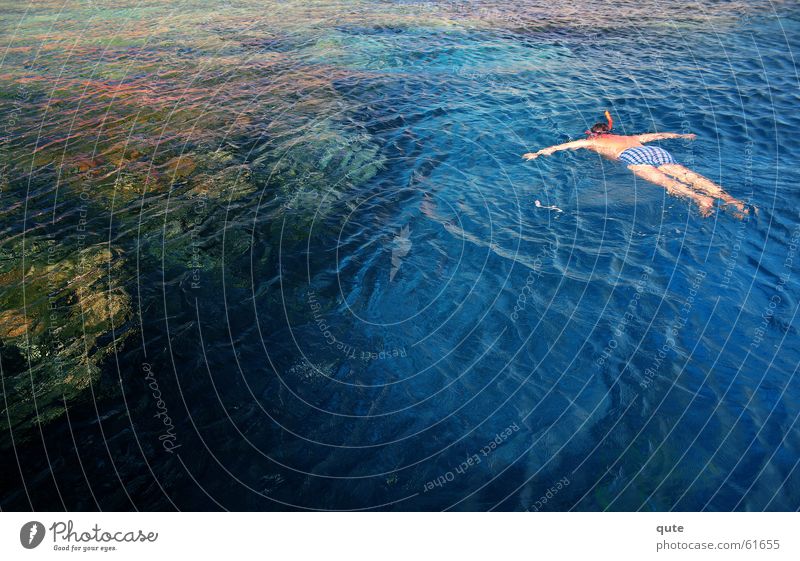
(651, 163)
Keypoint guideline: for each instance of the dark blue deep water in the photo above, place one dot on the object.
(414, 332)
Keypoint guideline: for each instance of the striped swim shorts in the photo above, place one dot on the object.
(646, 155)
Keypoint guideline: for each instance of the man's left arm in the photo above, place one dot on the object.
(574, 145)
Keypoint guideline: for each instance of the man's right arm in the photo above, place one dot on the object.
(649, 137)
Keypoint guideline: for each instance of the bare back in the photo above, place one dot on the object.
(612, 145)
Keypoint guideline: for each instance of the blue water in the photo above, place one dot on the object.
(365, 346)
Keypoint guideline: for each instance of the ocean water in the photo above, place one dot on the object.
(286, 255)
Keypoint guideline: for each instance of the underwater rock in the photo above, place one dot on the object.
(13, 324)
(222, 179)
(318, 169)
(54, 339)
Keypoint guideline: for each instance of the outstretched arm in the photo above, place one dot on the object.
(649, 137)
(574, 145)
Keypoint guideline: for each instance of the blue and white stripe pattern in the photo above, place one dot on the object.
(646, 155)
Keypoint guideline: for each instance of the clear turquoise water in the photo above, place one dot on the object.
(361, 345)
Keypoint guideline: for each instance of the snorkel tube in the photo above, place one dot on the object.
(610, 121)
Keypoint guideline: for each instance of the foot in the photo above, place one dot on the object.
(742, 209)
(706, 205)
(740, 206)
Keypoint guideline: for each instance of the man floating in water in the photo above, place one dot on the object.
(651, 163)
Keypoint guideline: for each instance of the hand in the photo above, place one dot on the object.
(531, 155)
(690, 136)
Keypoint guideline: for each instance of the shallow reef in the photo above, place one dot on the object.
(142, 131)
(63, 314)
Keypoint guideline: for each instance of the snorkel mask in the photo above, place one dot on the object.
(610, 126)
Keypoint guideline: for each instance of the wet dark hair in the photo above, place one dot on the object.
(600, 128)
